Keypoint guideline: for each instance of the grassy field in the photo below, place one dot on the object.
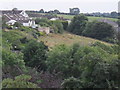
(91, 18)
(68, 39)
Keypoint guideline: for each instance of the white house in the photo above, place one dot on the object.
(24, 14)
(12, 16)
(11, 22)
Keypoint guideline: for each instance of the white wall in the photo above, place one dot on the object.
(24, 14)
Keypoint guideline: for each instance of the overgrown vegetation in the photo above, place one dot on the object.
(30, 63)
(98, 30)
(77, 24)
(57, 25)
(93, 66)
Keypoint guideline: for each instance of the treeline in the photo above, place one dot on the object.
(113, 14)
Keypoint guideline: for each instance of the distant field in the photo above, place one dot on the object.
(91, 18)
(68, 39)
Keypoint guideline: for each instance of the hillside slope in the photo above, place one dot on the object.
(67, 39)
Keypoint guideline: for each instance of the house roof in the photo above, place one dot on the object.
(15, 15)
(11, 11)
(109, 22)
(114, 24)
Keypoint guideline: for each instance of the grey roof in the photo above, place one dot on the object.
(15, 15)
(109, 22)
(114, 24)
(11, 11)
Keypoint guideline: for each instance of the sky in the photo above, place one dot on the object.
(85, 6)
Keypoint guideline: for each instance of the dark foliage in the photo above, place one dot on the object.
(99, 30)
(35, 54)
(78, 24)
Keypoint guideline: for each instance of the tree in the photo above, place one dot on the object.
(56, 11)
(12, 59)
(12, 63)
(114, 14)
(41, 11)
(78, 24)
(98, 30)
(58, 25)
(35, 54)
(62, 59)
(65, 24)
(44, 20)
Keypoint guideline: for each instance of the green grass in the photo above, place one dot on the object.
(68, 39)
(50, 40)
(90, 18)
(65, 16)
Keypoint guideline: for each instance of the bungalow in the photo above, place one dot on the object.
(12, 16)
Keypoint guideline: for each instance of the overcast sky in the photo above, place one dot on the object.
(62, 5)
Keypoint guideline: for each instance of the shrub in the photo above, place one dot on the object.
(43, 20)
(11, 59)
(72, 83)
(22, 81)
(58, 25)
(35, 54)
(106, 48)
(61, 59)
(65, 24)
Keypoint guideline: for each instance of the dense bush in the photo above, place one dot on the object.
(13, 39)
(72, 83)
(10, 59)
(108, 49)
(98, 30)
(42, 22)
(26, 29)
(92, 65)
(12, 63)
(57, 26)
(22, 81)
(65, 24)
(35, 54)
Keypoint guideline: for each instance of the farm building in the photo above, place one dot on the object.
(44, 29)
